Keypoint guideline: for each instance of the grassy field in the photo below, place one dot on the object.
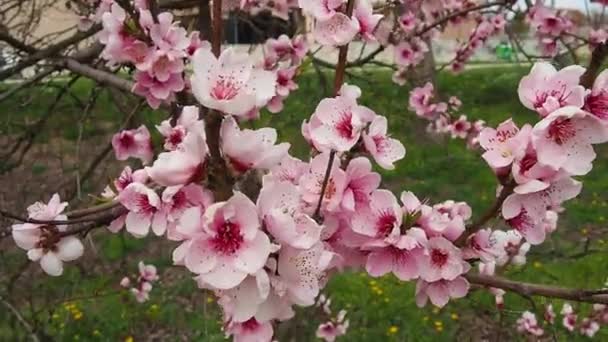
(86, 304)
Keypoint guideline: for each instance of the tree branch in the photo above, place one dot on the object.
(530, 289)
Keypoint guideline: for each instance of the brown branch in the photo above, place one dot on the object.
(598, 56)
(48, 52)
(16, 43)
(100, 76)
(462, 12)
(530, 289)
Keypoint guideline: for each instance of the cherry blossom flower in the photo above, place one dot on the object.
(596, 102)
(564, 138)
(338, 30)
(384, 149)
(460, 128)
(44, 243)
(503, 143)
(420, 102)
(133, 143)
(232, 245)
(250, 331)
(156, 91)
(440, 292)
(527, 323)
(329, 331)
(144, 209)
(311, 183)
(279, 208)
(301, 272)
(320, 9)
(260, 152)
(187, 122)
(589, 327)
(337, 123)
(181, 166)
(570, 317)
(230, 83)
(545, 89)
(443, 261)
(147, 272)
(549, 314)
(170, 38)
(364, 13)
(285, 83)
(408, 21)
(289, 169)
(142, 292)
(360, 182)
(247, 299)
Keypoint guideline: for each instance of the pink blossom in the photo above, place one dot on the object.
(289, 169)
(338, 30)
(279, 206)
(596, 101)
(230, 83)
(156, 91)
(181, 166)
(364, 13)
(142, 292)
(527, 323)
(43, 243)
(246, 300)
(564, 139)
(460, 128)
(133, 143)
(320, 9)
(170, 38)
(329, 331)
(402, 256)
(301, 272)
(589, 327)
(503, 143)
(285, 83)
(176, 200)
(420, 102)
(337, 123)
(597, 37)
(128, 176)
(125, 282)
(381, 218)
(570, 317)
(443, 261)
(545, 89)
(483, 245)
(549, 314)
(187, 122)
(385, 150)
(440, 292)
(231, 245)
(250, 331)
(147, 272)
(159, 66)
(360, 182)
(408, 21)
(311, 183)
(143, 205)
(260, 151)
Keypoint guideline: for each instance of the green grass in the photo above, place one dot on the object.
(379, 309)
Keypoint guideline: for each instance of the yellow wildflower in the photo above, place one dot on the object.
(392, 330)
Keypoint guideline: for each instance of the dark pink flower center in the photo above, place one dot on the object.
(225, 89)
(144, 204)
(561, 130)
(598, 105)
(522, 222)
(228, 239)
(386, 222)
(250, 325)
(127, 140)
(527, 162)
(344, 126)
(176, 137)
(438, 257)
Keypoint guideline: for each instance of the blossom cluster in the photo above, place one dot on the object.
(588, 326)
(334, 27)
(550, 26)
(142, 285)
(443, 116)
(487, 27)
(334, 327)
